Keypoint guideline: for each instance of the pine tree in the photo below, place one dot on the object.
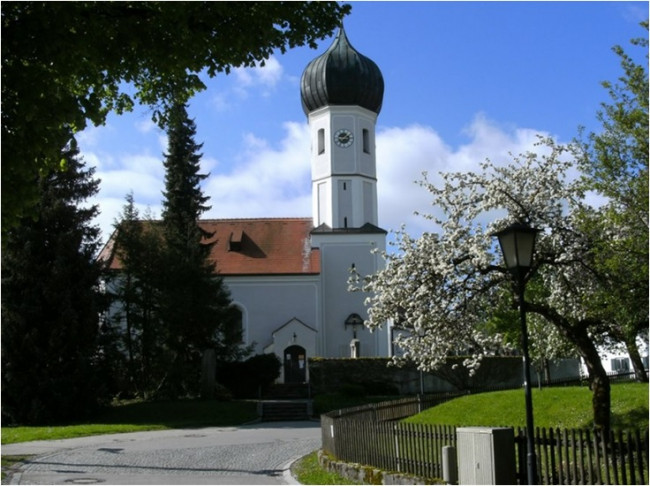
(51, 303)
(195, 305)
(136, 291)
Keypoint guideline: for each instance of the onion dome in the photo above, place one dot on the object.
(341, 76)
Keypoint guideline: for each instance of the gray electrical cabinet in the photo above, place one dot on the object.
(486, 455)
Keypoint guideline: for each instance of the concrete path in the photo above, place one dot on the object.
(252, 454)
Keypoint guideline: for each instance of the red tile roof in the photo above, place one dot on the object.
(265, 246)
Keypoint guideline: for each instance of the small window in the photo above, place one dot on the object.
(321, 141)
(235, 241)
(366, 141)
(620, 364)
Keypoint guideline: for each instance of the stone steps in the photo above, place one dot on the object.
(287, 391)
(279, 410)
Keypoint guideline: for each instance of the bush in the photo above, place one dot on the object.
(246, 379)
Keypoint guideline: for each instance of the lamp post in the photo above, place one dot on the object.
(517, 243)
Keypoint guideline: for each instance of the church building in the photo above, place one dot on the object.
(288, 276)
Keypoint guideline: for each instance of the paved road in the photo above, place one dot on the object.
(252, 454)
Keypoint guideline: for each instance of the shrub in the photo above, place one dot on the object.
(246, 379)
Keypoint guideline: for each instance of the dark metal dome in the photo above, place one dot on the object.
(341, 76)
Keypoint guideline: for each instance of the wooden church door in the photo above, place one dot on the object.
(295, 364)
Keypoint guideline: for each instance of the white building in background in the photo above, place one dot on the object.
(288, 276)
(616, 359)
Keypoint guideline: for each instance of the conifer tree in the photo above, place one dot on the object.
(51, 303)
(195, 306)
(136, 291)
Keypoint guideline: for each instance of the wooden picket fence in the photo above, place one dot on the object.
(371, 435)
(570, 456)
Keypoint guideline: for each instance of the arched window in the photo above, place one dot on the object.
(234, 331)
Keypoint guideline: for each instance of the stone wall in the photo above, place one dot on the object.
(369, 475)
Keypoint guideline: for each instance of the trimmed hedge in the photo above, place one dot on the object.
(376, 376)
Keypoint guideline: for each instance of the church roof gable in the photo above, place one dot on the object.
(263, 246)
(293, 322)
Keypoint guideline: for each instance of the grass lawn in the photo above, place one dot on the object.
(562, 407)
(142, 416)
(9, 462)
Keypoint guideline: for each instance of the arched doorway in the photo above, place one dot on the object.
(295, 364)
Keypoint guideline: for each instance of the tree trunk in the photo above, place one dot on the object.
(635, 358)
(208, 373)
(576, 332)
(598, 382)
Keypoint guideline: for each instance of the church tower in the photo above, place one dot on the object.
(342, 93)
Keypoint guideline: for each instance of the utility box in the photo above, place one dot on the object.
(486, 455)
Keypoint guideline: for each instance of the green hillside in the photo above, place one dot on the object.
(563, 407)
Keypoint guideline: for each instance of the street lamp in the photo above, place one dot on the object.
(517, 243)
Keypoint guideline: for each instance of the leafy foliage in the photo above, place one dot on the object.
(67, 64)
(51, 302)
(615, 166)
(444, 287)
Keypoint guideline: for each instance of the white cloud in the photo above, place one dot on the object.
(90, 136)
(111, 207)
(146, 126)
(220, 102)
(403, 154)
(141, 174)
(259, 77)
(274, 180)
(271, 73)
(266, 181)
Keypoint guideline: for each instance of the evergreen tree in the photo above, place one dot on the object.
(195, 306)
(136, 290)
(51, 301)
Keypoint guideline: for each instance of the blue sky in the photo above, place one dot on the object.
(464, 81)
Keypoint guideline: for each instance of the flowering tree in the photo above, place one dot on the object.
(444, 287)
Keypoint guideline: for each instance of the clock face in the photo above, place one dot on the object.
(343, 138)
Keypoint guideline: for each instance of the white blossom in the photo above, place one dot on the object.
(443, 286)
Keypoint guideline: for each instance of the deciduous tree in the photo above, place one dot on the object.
(445, 286)
(590, 273)
(67, 64)
(615, 165)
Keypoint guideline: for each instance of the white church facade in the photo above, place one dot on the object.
(288, 276)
